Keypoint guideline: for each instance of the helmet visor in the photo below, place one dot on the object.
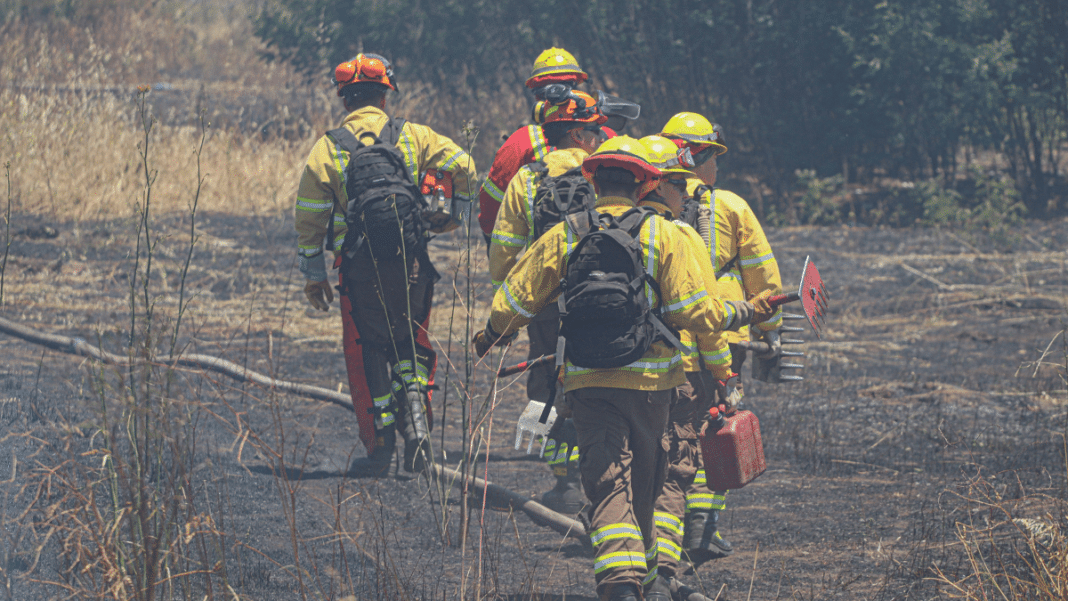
(615, 106)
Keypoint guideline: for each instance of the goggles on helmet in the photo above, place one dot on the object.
(554, 93)
(364, 68)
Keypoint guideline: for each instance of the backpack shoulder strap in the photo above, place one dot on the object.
(391, 131)
(582, 223)
(700, 190)
(345, 139)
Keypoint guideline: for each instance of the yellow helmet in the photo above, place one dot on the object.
(624, 152)
(696, 130)
(666, 156)
(555, 65)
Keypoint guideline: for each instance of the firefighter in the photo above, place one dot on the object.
(527, 144)
(552, 79)
(620, 413)
(574, 129)
(745, 269)
(703, 374)
(385, 303)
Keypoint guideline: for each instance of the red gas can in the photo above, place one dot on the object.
(732, 450)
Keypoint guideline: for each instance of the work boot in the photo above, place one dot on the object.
(684, 592)
(623, 592)
(561, 454)
(701, 540)
(376, 464)
(566, 497)
(414, 430)
(658, 590)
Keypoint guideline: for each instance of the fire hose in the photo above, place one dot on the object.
(540, 514)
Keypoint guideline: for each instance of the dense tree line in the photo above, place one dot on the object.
(856, 89)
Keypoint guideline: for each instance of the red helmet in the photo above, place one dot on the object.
(624, 152)
(364, 68)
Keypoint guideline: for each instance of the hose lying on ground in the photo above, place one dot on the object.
(78, 346)
(540, 514)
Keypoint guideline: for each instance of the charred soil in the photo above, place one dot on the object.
(939, 379)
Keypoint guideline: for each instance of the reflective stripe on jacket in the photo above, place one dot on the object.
(534, 283)
(515, 220)
(736, 232)
(718, 359)
(526, 145)
(321, 195)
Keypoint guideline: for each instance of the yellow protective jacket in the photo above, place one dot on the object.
(534, 282)
(515, 221)
(321, 195)
(719, 361)
(736, 232)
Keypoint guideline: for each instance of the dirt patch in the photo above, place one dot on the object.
(936, 367)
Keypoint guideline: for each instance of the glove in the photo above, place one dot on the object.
(315, 291)
(762, 310)
(772, 338)
(487, 339)
(730, 392)
(743, 315)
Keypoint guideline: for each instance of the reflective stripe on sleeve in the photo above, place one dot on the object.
(757, 260)
(683, 303)
(774, 322)
(309, 251)
(615, 532)
(507, 239)
(448, 164)
(494, 192)
(716, 358)
(315, 206)
(515, 304)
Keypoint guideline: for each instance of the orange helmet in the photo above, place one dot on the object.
(580, 107)
(624, 152)
(364, 68)
(555, 65)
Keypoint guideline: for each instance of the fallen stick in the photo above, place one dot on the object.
(542, 515)
(78, 346)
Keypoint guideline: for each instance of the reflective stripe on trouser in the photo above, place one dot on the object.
(620, 432)
(377, 331)
(688, 407)
(542, 332)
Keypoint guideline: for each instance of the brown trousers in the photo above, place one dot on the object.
(691, 404)
(623, 465)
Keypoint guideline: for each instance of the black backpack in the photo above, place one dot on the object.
(385, 207)
(605, 317)
(559, 196)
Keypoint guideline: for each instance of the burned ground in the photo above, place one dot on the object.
(935, 397)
